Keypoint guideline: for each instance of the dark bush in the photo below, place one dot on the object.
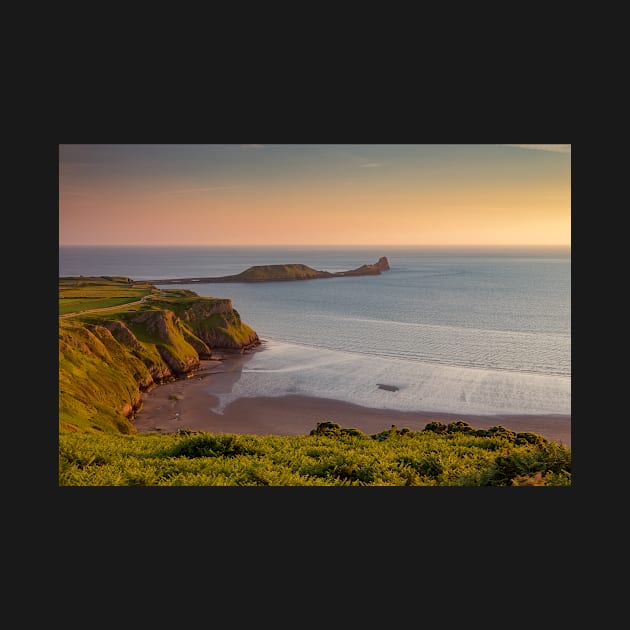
(352, 432)
(501, 431)
(547, 458)
(436, 427)
(205, 445)
(459, 427)
(326, 428)
(351, 471)
(429, 466)
(332, 429)
(529, 438)
(507, 467)
(393, 432)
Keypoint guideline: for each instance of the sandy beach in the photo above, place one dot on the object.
(188, 403)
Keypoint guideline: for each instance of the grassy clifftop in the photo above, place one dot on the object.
(110, 352)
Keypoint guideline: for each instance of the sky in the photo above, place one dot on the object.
(315, 194)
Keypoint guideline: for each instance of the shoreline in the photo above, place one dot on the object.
(187, 404)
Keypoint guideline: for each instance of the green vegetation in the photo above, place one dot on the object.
(81, 294)
(280, 272)
(107, 358)
(98, 380)
(329, 456)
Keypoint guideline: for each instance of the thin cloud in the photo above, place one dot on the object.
(559, 148)
(253, 146)
(193, 190)
(371, 164)
(75, 193)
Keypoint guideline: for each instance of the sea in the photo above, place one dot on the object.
(455, 330)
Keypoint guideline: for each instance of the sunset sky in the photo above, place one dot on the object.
(315, 194)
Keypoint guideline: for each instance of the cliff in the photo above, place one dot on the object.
(107, 359)
(283, 273)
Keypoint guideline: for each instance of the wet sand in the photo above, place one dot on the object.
(188, 403)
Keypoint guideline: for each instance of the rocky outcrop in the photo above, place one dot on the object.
(178, 365)
(162, 365)
(122, 334)
(383, 263)
(215, 323)
(158, 323)
(368, 270)
(202, 349)
(106, 363)
(284, 273)
(203, 309)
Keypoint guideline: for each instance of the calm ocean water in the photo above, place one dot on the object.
(455, 330)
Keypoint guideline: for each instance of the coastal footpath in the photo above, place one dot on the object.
(284, 273)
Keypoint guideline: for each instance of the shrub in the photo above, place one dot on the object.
(326, 428)
(529, 438)
(393, 432)
(352, 471)
(332, 429)
(436, 427)
(352, 432)
(206, 445)
(552, 460)
(501, 431)
(430, 466)
(459, 427)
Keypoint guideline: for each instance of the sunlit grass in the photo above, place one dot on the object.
(422, 458)
(81, 294)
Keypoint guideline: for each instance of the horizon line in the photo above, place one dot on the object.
(318, 245)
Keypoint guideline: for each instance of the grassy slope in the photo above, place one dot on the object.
(457, 457)
(98, 377)
(280, 272)
(101, 374)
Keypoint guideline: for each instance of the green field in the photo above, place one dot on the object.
(82, 294)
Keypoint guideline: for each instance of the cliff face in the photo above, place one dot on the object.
(106, 362)
(217, 324)
(100, 379)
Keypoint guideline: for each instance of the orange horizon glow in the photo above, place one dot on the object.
(315, 195)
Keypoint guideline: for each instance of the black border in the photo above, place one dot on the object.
(276, 515)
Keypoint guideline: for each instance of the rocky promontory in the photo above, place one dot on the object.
(108, 358)
(284, 273)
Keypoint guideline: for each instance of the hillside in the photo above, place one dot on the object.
(109, 354)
